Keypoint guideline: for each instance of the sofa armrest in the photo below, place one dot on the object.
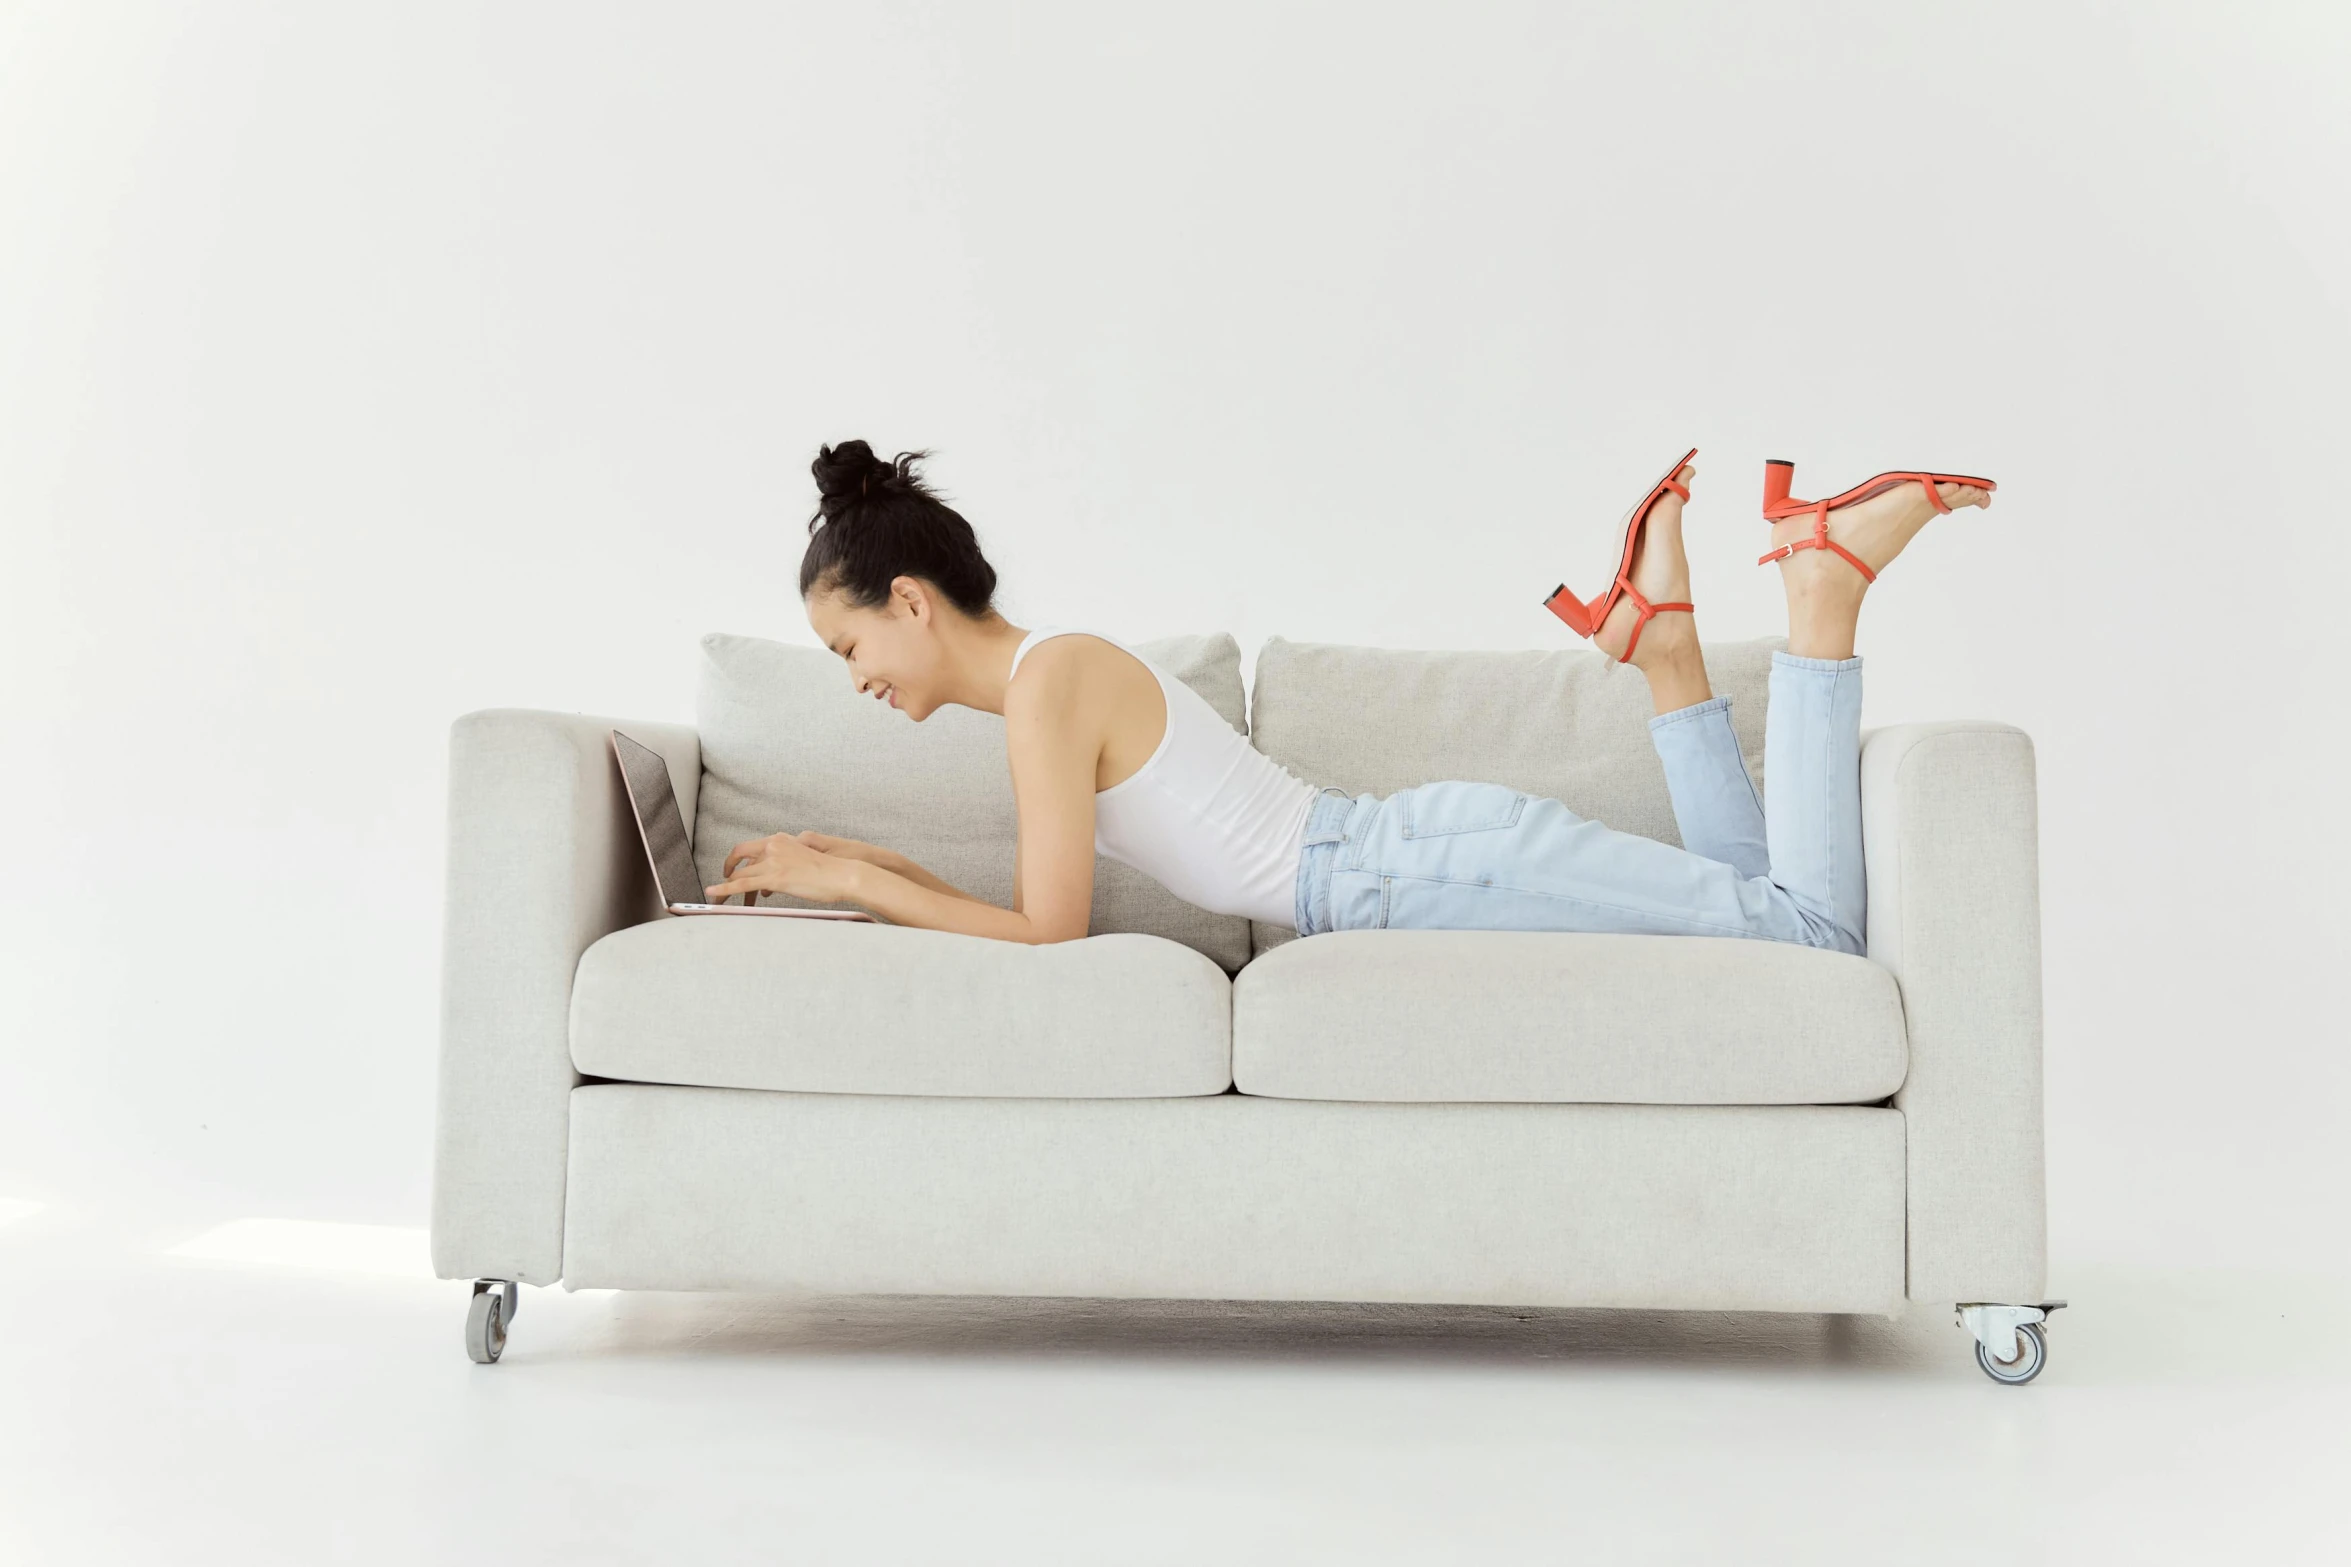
(544, 859)
(1951, 842)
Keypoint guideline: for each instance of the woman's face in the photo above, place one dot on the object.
(889, 649)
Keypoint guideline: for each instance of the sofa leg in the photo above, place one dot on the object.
(2011, 1342)
(488, 1317)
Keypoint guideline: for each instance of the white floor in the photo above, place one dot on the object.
(276, 1399)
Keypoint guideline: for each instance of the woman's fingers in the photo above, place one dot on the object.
(753, 867)
(748, 879)
(745, 853)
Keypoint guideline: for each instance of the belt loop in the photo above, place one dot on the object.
(1336, 833)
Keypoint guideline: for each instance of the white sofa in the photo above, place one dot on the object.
(1186, 1104)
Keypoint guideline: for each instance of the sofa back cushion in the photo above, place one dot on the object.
(1571, 724)
(787, 744)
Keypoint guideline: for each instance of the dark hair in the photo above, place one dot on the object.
(877, 521)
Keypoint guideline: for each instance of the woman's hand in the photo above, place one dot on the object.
(787, 863)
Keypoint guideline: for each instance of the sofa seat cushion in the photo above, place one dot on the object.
(1564, 1018)
(826, 1006)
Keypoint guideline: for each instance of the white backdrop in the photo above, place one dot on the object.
(360, 367)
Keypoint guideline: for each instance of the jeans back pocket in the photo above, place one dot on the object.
(1453, 805)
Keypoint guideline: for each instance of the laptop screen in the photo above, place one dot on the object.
(659, 818)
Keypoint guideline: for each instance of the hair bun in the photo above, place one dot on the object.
(896, 526)
(848, 471)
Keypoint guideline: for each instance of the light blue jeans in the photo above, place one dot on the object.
(1483, 856)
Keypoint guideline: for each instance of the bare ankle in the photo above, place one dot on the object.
(1824, 612)
(1823, 631)
(1676, 674)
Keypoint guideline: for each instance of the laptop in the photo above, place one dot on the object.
(663, 827)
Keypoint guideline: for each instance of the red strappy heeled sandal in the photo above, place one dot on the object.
(1777, 504)
(1585, 619)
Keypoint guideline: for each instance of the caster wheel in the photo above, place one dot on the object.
(485, 1322)
(2032, 1353)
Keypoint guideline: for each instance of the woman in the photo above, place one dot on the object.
(1110, 755)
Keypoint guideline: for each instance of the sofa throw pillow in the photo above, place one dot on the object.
(788, 744)
(1569, 723)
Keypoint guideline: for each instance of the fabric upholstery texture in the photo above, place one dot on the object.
(835, 1007)
(995, 1117)
(1949, 829)
(1554, 1017)
(1570, 724)
(1787, 1208)
(787, 744)
(543, 858)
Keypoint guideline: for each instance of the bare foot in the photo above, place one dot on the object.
(1877, 530)
(1661, 573)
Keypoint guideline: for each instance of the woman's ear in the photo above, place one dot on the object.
(914, 596)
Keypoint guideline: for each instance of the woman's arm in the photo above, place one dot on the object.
(899, 865)
(891, 860)
(905, 902)
(786, 863)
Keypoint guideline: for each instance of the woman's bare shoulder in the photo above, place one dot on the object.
(1074, 664)
(1090, 691)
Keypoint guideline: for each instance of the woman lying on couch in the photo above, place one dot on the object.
(894, 582)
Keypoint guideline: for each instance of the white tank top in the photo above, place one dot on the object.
(1210, 817)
